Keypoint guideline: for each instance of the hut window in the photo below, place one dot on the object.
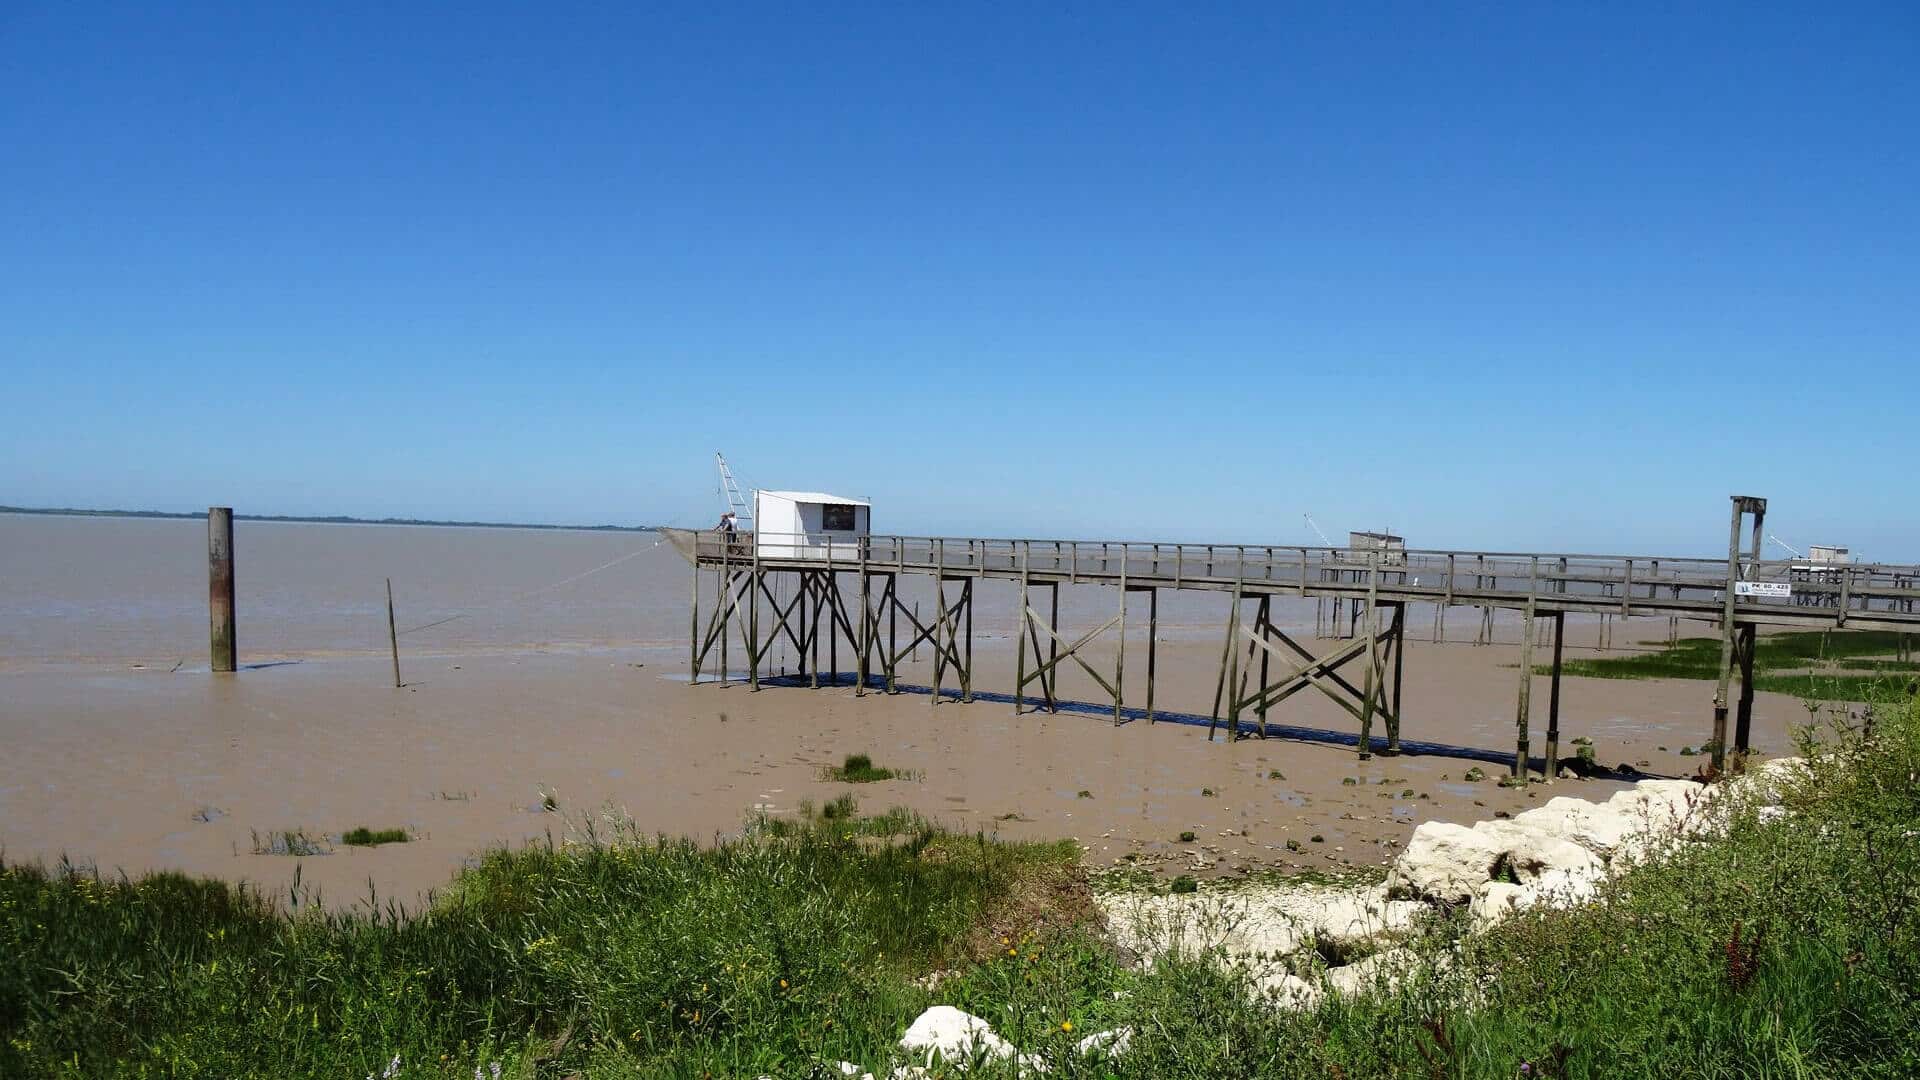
(836, 517)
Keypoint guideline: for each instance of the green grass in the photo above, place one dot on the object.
(365, 837)
(860, 769)
(1789, 949)
(295, 842)
(622, 955)
(1841, 665)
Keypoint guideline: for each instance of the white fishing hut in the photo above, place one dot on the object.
(801, 524)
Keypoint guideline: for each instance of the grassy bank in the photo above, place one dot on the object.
(1843, 665)
(1791, 948)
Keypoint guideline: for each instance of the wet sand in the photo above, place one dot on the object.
(143, 769)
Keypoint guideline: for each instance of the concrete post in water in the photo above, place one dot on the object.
(220, 617)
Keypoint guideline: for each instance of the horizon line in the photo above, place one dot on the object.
(315, 519)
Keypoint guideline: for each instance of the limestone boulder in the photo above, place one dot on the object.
(1381, 971)
(1772, 781)
(1363, 914)
(1597, 827)
(1443, 862)
(1661, 813)
(1285, 990)
(1498, 902)
(1527, 852)
(1249, 923)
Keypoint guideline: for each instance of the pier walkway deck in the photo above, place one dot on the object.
(1374, 586)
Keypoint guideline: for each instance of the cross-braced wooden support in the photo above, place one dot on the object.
(949, 631)
(1056, 650)
(731, 589)
(1236, 692)
(814, 616)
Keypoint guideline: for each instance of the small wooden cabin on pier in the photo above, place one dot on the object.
(800, 524)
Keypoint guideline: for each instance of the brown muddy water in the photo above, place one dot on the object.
(119, 750)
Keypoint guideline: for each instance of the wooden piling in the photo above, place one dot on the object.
(753, 620)
(1743, 715)
(829, 597)
(1719, 745)
(1373, 655)
(1525, 708)
(1399, 666)
(693, 617)
(866, 622)
(723, 594)
(1120, 661)
(393, 636)
(1261, 622)
(220, 613)
(1553, 700)
(940, 627)
(893, 632)
(1020, 632)
(966, 672)
(1153, 647)
(1053, 649)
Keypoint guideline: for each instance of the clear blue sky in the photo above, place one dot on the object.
(1556, 276)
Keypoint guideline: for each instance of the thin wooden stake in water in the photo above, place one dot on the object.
(393, 636)
(220, 618)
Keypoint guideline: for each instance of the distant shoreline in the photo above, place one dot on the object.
(334, 519)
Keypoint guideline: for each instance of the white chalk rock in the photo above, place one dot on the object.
(1772, 781)
(1365, 913)
(1528, 852)
(1444, 862)
(1661, 813)
(1381, 971)
(1596, 827)
(1285, 990)
(1561, 888)
(1497, 903)
(955, 1036)
(1105, 1043)
(848, 1068)
(1254, 923)
(1679, 803)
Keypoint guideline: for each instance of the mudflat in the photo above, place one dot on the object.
(507, 735)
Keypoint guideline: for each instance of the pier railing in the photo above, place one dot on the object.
(1781, 591)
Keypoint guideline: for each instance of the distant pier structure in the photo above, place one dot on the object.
(814, 575)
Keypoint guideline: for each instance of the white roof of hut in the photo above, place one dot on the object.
(816, 497)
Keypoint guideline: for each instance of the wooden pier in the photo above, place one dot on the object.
(853, 587)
